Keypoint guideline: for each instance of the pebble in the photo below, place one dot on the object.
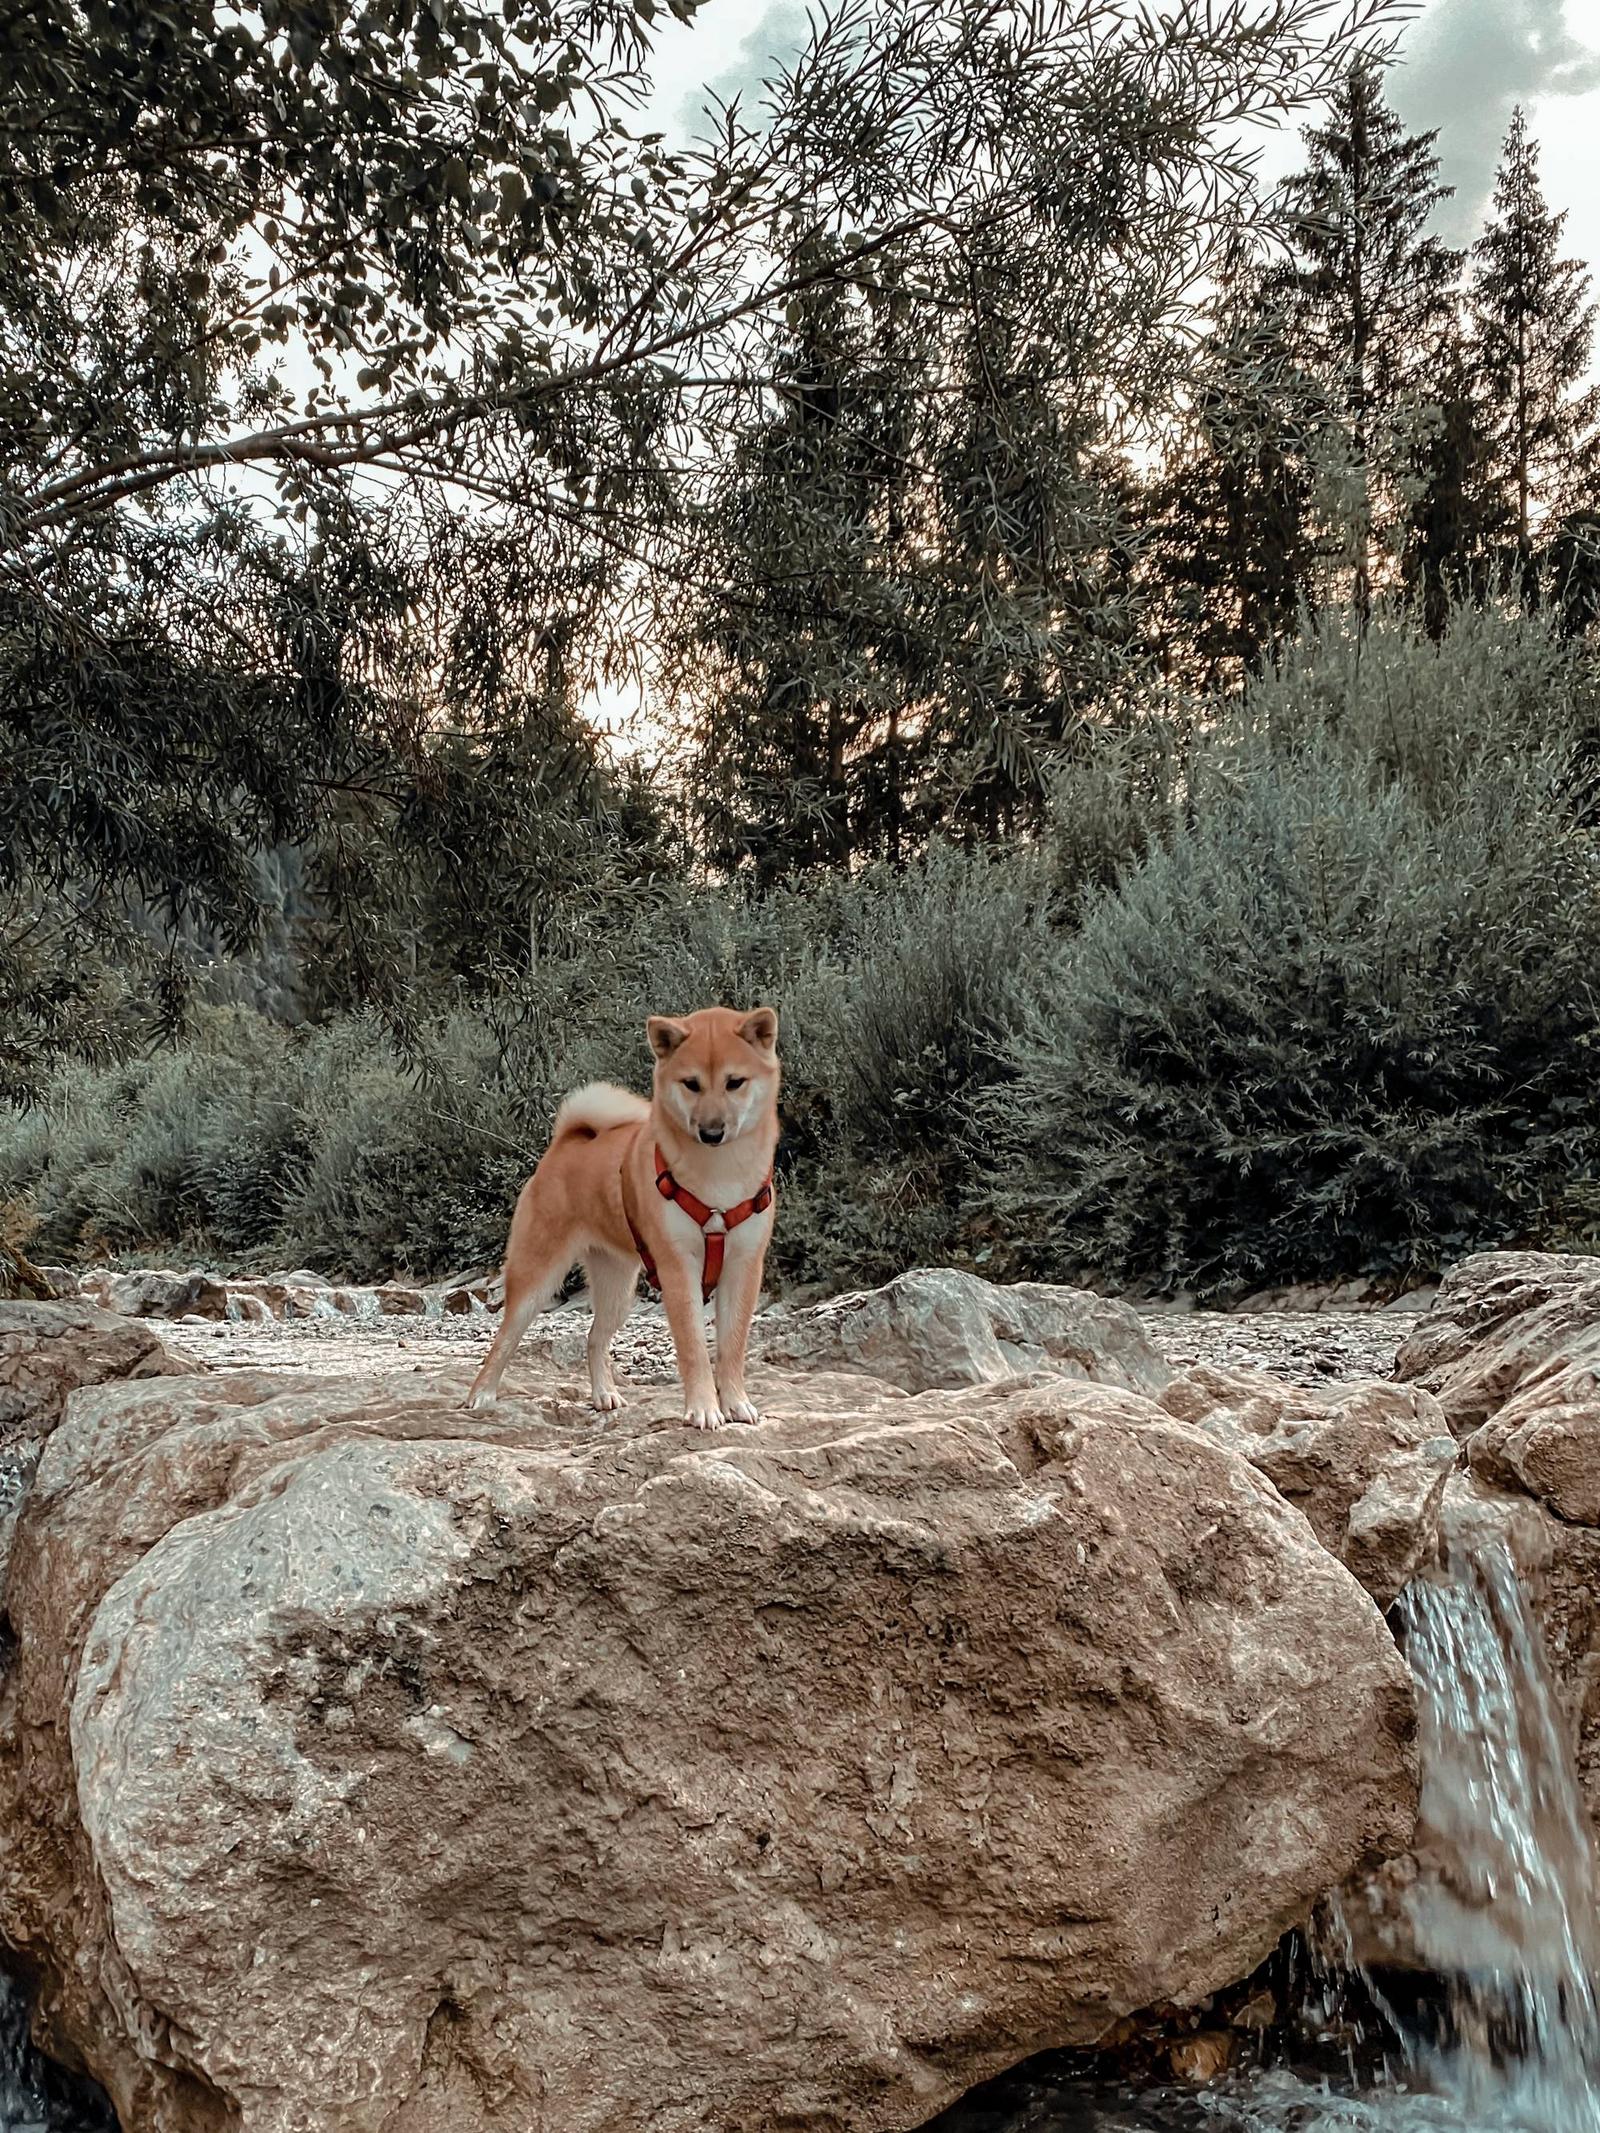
(1304, 1347)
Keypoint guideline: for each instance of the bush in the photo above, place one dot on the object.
(1329, 1027)
(1431, 714)
(893, 1038)
(1305, 986)
(246, 1143)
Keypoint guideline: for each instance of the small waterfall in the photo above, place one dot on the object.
(1504, 1911)
(1505, 1902)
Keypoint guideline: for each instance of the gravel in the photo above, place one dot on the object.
(1304, 1347)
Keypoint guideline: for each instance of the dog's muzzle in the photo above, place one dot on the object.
(713, 1134)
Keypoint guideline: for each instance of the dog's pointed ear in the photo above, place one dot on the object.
(665, 1035)
(760, 1028)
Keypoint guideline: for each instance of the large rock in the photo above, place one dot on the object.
(1367, 1462)
(157, 1292)
(1505, 1321)
(48, 1350)
(939, 1327)
(375, 1768)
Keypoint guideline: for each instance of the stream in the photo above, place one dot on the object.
(1505, 1913)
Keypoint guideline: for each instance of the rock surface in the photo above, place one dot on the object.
(938, 1326)
(156, 1292)
(47, 1350)
(374, 1768)
(1367, 1463)
(163, 1292)
(1505, 1321)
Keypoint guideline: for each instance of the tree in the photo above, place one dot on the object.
(1574, 572)
(914, 564)
(1230, 535)
(1029, 606)
(1370, 298)
(1454, 519)
(1533, 331)
(404, 275)
(787, 661)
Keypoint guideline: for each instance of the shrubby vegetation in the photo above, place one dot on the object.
(1125, 646)
(1313, 988)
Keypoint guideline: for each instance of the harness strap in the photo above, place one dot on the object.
(714, 1224)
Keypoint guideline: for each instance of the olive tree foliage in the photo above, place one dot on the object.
(499, 278)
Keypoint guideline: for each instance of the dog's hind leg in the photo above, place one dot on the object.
(531, 1284)
(613, 1284)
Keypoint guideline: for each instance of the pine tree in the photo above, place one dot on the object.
(1229, 537)
(1027, 609)
(789, 658)
(1533, 330)
(1455, 520)
(1370, 294)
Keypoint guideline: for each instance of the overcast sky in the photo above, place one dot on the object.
(1463, 66)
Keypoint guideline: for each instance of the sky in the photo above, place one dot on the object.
(1463, 66)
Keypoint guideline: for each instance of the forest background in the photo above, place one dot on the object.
(1117, 638)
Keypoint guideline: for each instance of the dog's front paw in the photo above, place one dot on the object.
(740, 1409)
(479, 1398)
(709, 1417)
(606, 1401)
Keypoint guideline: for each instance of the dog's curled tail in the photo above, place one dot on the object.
(598, 1107)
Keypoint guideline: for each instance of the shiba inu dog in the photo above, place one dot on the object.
(681, 1184)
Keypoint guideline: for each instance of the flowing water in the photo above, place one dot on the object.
(36, 2097)
(1506, 1905)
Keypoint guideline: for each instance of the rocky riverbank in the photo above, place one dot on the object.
(376, 1768)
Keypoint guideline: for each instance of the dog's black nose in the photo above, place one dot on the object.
(713, 1134)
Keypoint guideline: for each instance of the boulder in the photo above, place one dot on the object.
(395, 1300)
(257, 1299)
(48, 1350)
(372, 1767)
(1551, 1454)
(1366, 1462)
(940, 1327)
(156, 1292)
(1501, 1320)
(457, 1296)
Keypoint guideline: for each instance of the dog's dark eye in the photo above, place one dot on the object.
(692, 1085)
(737, 1081)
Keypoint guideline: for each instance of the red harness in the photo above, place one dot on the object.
(697, 1211)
